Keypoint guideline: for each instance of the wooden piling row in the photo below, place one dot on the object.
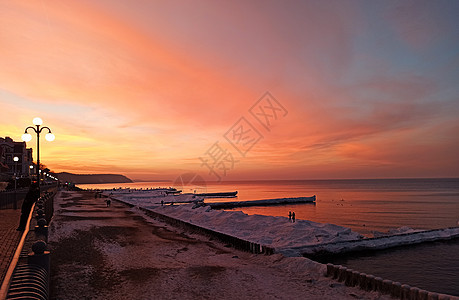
(369, 282)
(235, 242)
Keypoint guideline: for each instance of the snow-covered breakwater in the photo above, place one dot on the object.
(278, 201)
(237, 243)
(274, 232)
(282, 235)
(379, 243)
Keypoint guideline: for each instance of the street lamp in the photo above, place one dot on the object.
(26, 137)
(15, 159)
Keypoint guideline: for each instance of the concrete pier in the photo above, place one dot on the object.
(265, 202)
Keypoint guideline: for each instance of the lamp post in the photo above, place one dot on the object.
(27, 137)
(15, 159)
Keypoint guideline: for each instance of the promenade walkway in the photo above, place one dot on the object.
(116, 252)
(9, 238)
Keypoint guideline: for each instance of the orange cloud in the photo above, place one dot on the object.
(147, 89)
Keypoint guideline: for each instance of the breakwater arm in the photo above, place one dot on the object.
(266, 202)
(379, 243)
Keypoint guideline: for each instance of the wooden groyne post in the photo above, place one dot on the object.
(236, 242)
(369, 282)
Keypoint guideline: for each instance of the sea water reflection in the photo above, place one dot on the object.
(431, 266)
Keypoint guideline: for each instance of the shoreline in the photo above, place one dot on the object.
(411, 236)
(366, 208)
(170, 263)
(279, 232)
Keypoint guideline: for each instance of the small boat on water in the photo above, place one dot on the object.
(216, 195)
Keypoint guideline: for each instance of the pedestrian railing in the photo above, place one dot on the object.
(31, 264)
(45, 208)
(12, 199)
(30, 281)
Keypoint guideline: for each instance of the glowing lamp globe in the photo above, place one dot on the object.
(26, 137)
(37, 121)
(50, 137)
(15, 158)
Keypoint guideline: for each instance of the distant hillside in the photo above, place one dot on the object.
(92, 178)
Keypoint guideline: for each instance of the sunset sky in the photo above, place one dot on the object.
(369, 89)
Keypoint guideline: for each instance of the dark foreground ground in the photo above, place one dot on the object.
(116, 252)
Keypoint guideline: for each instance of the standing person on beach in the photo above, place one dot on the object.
(289, 215)
(293, 217)
(31, 197)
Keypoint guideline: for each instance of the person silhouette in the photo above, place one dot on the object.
(293, 217)
(31, 197)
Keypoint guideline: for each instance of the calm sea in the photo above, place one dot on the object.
(365, 206)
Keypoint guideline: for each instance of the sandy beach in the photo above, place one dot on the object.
(116, 252)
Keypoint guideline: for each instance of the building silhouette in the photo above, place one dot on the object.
(8, 150)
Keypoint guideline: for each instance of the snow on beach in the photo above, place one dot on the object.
(153, 196)
(275, 232)
(286, 237)
(116, 252)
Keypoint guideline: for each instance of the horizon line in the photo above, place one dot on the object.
(320, 179)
